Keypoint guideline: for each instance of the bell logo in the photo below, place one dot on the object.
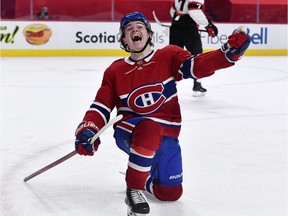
(259, 38)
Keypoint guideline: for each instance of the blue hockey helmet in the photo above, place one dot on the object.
(135, 16)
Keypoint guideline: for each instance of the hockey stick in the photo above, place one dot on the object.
(71, 154)
(158, 21)
(164, 25)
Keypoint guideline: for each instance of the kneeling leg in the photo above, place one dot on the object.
(166, 178)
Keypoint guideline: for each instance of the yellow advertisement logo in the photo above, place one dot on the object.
(37, 34)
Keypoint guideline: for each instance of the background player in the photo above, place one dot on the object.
(187, 16)
(142, 87)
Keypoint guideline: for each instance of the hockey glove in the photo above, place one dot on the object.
(211, 29)
(237, 43)
(84, 133)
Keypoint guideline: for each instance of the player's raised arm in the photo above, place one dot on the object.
(206, 64)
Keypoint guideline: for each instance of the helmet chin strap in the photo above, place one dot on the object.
(132, 51)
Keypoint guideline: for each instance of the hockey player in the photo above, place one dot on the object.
(187, 16)
(142, 87)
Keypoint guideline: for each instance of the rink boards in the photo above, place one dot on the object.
(21, 38)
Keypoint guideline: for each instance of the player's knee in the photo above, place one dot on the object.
(147, 134)
(168, 193)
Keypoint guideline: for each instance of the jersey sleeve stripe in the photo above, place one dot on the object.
(103, 110)
(187, 68)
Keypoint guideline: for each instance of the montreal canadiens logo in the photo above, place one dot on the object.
(146, 99)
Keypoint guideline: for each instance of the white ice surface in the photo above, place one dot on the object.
(234, 142)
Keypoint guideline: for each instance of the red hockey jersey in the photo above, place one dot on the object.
(147, 88)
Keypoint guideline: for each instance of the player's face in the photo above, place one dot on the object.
(136, 35)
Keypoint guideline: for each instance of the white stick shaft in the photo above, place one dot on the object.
(111, 122)
(158, 21)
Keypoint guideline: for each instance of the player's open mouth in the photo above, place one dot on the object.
(136, 38)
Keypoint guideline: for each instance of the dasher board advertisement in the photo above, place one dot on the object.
(20, 38)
